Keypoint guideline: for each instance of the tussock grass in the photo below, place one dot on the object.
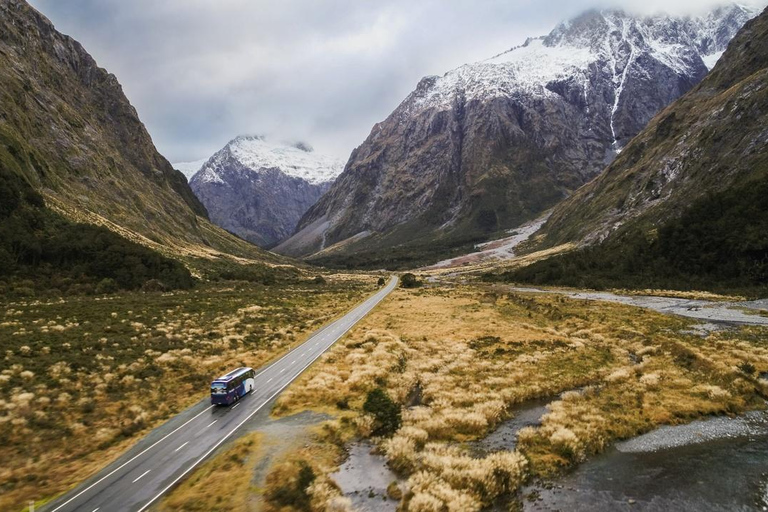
(456, 360)
(82, 378)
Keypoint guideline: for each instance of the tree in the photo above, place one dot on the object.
(384, 410)
(381, 281)
(409, 280)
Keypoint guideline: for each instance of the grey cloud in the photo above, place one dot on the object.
(202, 71)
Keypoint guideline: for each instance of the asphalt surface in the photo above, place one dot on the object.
(140, 477)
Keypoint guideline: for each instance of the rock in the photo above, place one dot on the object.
(259, 189)
(490, 145)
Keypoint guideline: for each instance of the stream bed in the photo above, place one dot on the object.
(712, 465)
(717, 464)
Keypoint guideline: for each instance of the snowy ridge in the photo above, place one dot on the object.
(256, 154)
(576, 48)
(189, 169)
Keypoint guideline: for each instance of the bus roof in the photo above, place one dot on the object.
(234, 373)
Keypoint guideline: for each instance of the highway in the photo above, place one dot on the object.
(140, 477)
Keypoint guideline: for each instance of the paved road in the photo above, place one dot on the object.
(169, 453)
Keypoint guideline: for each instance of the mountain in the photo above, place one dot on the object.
(259, 189)
(685, 205)
(67, 130)
(189, 169)
(490, 145)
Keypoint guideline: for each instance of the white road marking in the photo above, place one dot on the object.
(142, 476)
(211, 423)
(94, 510)
(257, 409)
(180, 447)
(270, 379)
(235, 406)
(130, 460)
(281, 371)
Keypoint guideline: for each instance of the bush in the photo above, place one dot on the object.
(747, 368)
(319, 280)
(381, 281)
(384, 410)
(154, 285)
(106, 285)
(287, 487)
(409, 280)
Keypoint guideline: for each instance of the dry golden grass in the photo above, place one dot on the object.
(108, 369)
(457, 358)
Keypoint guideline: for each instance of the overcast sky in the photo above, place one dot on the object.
(200, 72)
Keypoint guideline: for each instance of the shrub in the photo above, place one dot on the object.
(381, 281)
(409, 280)
(384, 410)
(106, 285)
(154, 285)
(287, 485)
(747, 368)
(319, 280)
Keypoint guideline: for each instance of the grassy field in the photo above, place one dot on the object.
(83, 377)
(455, 359)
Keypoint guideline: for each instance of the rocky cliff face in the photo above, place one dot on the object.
(492, 144)
(259, 189)
(67, 127)
(713, 139)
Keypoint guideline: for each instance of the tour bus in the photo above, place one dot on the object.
(233, 386)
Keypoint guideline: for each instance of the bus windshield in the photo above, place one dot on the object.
(218, 388)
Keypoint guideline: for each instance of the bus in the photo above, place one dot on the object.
(231, 387)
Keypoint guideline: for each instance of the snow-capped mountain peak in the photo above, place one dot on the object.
(257, 153)
(502, 139)
(598, 42)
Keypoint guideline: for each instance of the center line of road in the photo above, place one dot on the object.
(142, 476)
(234, 406)
(145, 450)
(94, 510)
(180, 447)
(270, 379)
(211, 423)
(281, 371)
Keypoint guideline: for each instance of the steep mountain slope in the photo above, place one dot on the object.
(189, 169)
(492, 144)
(259, 189)
(68, 129)
(709, 140)
(686, 203)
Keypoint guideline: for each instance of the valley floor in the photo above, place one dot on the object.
(84, 377)
(460, 362)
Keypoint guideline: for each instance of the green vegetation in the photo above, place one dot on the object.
(40, 251)
(457, 359)
(719, 244)
(409, 280)
(83, 376)
(288, 488)
(385, 412)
